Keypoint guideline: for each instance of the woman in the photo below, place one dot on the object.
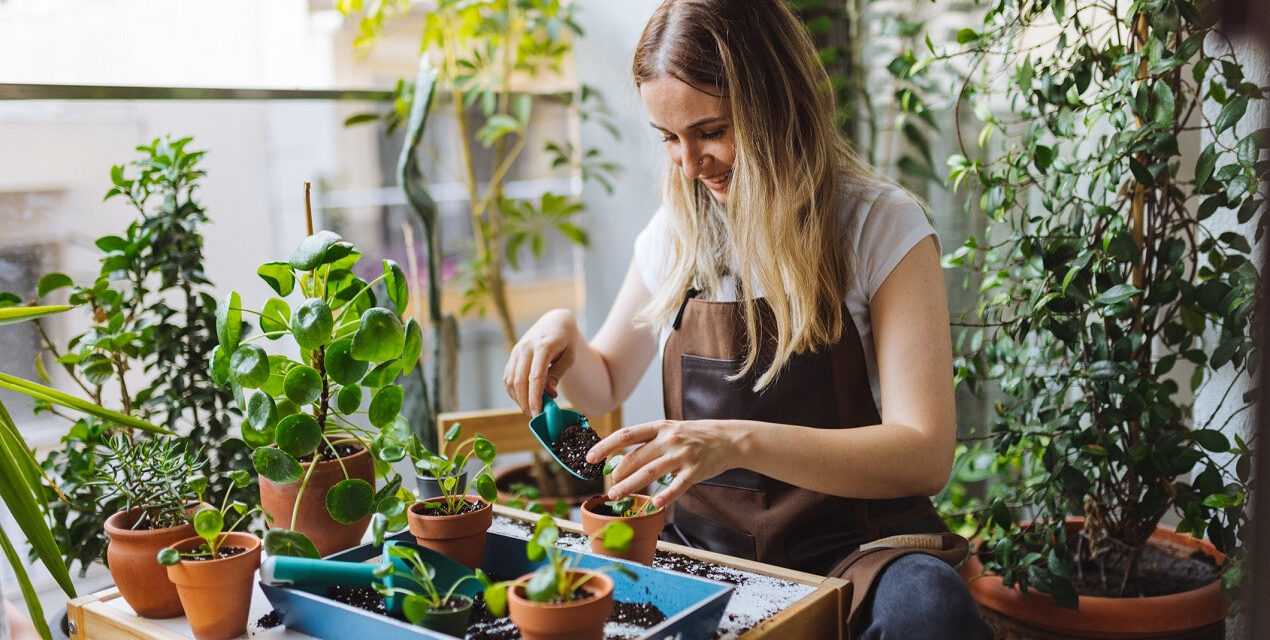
(798, 307)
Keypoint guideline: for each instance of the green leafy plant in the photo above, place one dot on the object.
(350, 349)
(209, 522)
(22, 480)
(525, 496)
(557, 579)
(143, 474)
(446, 469)
(417, 603)
(1104, 281)
(625, 507)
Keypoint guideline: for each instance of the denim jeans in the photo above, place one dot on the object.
(917, 597)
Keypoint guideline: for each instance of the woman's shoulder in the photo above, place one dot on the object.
(881, 223)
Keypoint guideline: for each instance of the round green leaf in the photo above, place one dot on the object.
(281, 542)
(350, 500)
(496, 598)
(249, 366)
(220, 366)
(312, 323)
(397, 285)
(383, 375)
(484, 449)
(278, 368)
(542, 585)
(380, 336)
(349, 399)
(279, 277)
(277, 466)
(229, 322)
(302, 385)
(262, 412)
(54, 281)
(286, 407)
(299, 435)
(415, 607)
(169, 556)
(486, 487)
(340, 364)
(385, 405)
(208, 523)
(275, 317)
(617, 536)
(413, 348)
(313, 249)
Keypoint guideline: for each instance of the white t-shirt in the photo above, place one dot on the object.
(884, 223)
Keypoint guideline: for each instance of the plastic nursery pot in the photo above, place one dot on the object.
(142, 581)
(460, 538)
(429, 487)
(646, 527)
(314, 521)
(451, 621)
(578, 620)
(216, 593)
(1198, 613)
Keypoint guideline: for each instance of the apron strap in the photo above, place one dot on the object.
(679, 317)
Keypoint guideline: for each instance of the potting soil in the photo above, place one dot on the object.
(572, 447)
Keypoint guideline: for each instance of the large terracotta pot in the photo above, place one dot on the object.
(142, 581)
(505, 477)
(460, 538)
(581, 620)
(646, 527)
(216, 594)
(1199, 613)
(327, 534)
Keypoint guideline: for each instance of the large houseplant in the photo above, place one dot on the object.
(1104, 280)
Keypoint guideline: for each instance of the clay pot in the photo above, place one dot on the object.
(216, 594)
(327, 534)
(579, 620)
(579, 489)
(460, 538)
(452, 621)
(1199, 613)
(647, 527)
(142, 581)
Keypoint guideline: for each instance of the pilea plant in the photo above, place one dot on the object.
(209, 522)
(555, 580)
(416, 604)
(624, 507)
(1108, 283)
(350, 349)
(448, 468)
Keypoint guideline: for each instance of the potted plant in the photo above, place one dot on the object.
(558, 600)
(214, 571)
(1108, 285)
(427, 607)
(455, 523)
(317, 465)
(636, 511)
(149, 476)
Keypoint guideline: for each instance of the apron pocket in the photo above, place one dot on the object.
(703, 533)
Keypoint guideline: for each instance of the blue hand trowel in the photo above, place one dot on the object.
(548, 425)
(316, 576)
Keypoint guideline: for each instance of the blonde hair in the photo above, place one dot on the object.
(781, 219)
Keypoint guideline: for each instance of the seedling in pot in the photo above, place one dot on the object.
(526, 498)
(209, 522)
(447, 468)
(624, 507)
(416, 604)
(557, 580)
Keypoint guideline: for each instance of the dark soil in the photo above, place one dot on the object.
(223, 552)
(466, 507)
(269, 620)
(484, 626)
(360, 597)
(640, 614)
(1159, 573)
(571, 449)
(684, 564)
(324, 452)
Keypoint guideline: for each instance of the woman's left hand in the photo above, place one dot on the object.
(692, 450)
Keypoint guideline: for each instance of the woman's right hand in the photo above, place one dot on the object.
(540, 358)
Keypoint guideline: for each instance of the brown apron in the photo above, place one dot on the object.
(749, 515)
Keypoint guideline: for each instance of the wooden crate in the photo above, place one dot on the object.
(817, 616)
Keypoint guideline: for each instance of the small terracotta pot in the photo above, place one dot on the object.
(647, 527)
(460, 538)
(314, 521)
(142, 581)
(1199, 613)
(580, 620)
(216, 594)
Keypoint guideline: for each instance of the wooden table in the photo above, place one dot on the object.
(816, 616)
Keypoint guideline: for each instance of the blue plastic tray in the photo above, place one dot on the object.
(693, 606)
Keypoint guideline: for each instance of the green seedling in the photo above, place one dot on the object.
(527, 496)
(417, 603)
(447, 468)
(209, 522)
(553, 582)
(625, 507)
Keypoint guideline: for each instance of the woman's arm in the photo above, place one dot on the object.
(910, 453)
(597, 376)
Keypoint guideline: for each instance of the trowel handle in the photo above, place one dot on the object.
(287, 571)
(555, 422)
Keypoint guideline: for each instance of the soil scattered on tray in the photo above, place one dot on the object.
(627, 618)
(223, 552)
(324, 452)
(422, 508)
(640, 614)
(571, 449)
(360, 597)
(269, 620)
(684, 564)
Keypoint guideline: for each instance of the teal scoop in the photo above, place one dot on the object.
(548, 425)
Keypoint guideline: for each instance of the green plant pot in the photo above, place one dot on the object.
(453, 622)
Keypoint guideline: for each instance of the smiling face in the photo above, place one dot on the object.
(696, 128)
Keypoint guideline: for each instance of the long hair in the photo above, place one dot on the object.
(781, 218)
